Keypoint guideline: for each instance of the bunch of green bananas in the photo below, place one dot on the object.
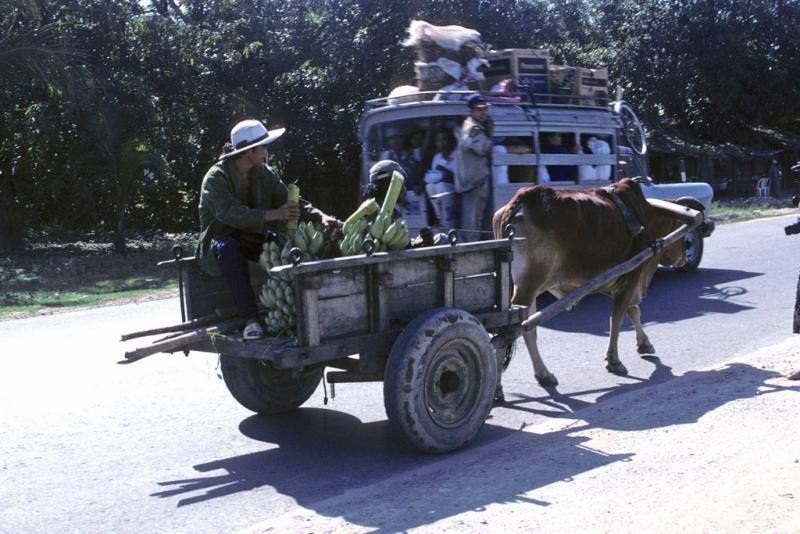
(353, 238)
(389, 235)
(386, 235)
(277, 295)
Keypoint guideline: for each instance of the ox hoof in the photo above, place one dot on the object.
(646, 348)
(547, 380)
(499, 397)
(616, 368)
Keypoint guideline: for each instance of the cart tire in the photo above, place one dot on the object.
(440, 380)
(258, 386)
(693, 246)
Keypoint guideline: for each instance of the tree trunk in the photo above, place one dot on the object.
(14, 220)
(123, 191)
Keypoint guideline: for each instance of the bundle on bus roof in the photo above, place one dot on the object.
(445, 54)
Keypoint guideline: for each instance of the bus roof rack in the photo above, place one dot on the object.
(519, 99)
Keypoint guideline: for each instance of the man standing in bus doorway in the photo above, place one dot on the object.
(474, 167)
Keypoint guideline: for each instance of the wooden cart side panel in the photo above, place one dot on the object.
(406, 303)
(348, 315)
(476, 293)
(470, 263)
(342, 283)
(341, 316)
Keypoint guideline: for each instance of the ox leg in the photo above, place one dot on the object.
(540, 371)
(613, 365)
(526, 296)
(643, 345)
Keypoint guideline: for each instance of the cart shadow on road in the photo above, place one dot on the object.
(314, 454)
(317, 455)
(687, 295)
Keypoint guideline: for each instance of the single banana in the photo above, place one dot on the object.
(376, 228)
(316, 242)
(402, 243)
(391, 232)
(311, 231)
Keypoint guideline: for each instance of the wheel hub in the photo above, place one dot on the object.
(452, 384)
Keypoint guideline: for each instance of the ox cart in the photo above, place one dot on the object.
(420, 320)
(433, 324)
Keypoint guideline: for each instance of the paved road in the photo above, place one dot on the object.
(92, 446)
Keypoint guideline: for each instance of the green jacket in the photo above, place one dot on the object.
(222, 213)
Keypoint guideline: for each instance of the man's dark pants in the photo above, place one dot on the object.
(233, 254)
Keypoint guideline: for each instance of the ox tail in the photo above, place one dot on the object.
(508, 355)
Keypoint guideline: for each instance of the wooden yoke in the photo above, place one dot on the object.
(684, 214)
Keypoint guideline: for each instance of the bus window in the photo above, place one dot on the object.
(598, 144)
(504, 174)
(559, 143)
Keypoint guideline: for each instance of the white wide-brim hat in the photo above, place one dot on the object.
(251, 133)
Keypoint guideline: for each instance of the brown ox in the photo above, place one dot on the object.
(575, 235)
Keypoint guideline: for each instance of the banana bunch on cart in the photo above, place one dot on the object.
(277, 296)
(370, 220)
(312, 242)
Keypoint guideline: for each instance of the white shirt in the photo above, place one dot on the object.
(440, 161)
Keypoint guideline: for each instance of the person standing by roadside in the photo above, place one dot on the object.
(474, 166)
(775, 177)
(240, 198)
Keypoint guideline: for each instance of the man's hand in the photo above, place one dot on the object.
(288, 212)
(331, 222)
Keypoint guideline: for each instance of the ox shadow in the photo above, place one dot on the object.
(696, 394)
(706, 292)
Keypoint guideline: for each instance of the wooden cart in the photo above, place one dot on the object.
(420, 320)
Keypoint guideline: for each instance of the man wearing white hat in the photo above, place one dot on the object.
(241, 197)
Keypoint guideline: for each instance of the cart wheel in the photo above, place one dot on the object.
(260, 387)
(440, 380)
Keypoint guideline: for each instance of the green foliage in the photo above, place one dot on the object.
(84, 81)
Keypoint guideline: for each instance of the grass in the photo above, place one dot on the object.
(738, 210)
(71, 272)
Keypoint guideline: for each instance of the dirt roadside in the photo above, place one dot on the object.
(715, 450)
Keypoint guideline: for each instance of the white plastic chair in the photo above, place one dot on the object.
(762, 188)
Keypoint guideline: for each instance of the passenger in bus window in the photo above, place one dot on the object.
(445, 157)
(398, 151)
(599, 146)
(552, 144)
(439, 178)
(419, 142)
